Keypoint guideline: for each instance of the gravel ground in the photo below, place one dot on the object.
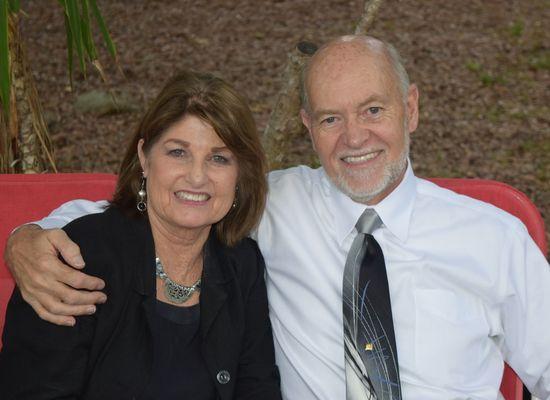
(483, 69)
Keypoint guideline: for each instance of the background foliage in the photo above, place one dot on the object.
(483, 69)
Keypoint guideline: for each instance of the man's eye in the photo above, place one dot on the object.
(329, 120)
(374, 110)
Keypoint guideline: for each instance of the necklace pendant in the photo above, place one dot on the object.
(176, 293)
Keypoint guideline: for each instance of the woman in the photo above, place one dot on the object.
(187, 312)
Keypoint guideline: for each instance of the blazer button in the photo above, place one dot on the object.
(223, 377)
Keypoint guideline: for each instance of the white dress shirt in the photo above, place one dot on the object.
(469, 288)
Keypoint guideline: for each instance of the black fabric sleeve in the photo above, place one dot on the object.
(40, 360)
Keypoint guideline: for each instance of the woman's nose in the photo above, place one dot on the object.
(197, 175)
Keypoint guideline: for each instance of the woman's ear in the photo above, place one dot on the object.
(142, 157)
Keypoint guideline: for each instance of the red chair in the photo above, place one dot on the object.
(25, 198)
(518, 204)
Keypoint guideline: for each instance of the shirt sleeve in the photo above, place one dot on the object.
(70, 211)
(526, 315)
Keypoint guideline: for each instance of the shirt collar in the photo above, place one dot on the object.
(395, 210)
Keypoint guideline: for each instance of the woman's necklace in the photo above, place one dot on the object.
(175, 292)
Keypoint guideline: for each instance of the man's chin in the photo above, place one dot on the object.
(365, 185)
(358, 190)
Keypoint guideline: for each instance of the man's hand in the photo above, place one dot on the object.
(46, 283)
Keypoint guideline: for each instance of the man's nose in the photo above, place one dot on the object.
(356, 133)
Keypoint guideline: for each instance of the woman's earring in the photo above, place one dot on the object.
(142, 196)
(235, 202)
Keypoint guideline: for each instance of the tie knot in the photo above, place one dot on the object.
(368, 221)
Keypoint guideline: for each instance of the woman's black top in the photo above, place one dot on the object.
(179, 371)
(111, 354)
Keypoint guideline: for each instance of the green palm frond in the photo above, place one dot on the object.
(104, 31)
(6, 7)
(78, 24)
(5, 80)
(79, 16)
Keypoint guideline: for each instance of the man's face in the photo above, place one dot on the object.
(358, 121)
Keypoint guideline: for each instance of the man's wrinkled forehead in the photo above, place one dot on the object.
(335, 57)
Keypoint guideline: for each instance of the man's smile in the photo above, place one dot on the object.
(361, 158)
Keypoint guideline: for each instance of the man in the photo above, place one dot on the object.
(466, 282)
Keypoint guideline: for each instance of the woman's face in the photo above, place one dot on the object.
(191, 176)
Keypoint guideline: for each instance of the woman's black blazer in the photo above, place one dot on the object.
(108, 355)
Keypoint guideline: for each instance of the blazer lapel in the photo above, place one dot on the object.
(138, 254)
(215, 279)
(218, 337)
(144, 278)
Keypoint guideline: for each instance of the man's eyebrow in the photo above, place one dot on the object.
(372, 99)
(321, 112)
(375, 98)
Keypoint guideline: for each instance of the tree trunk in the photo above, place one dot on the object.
(25, 145)
(371, 9)
(284, 129)
(284, 126)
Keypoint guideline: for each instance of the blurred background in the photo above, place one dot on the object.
(482, 67)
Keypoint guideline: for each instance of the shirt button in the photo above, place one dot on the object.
(223, 377)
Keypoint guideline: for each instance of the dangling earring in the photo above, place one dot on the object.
(235, 202)
(142, 195)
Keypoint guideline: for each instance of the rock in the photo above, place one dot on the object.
(51, 119)
(100, 102)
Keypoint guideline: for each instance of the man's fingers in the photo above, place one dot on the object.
(71, 254)
(78, 280)
(56, 307)
(82, 300)
(65, 301)
(68, 249)
(52, 271)
(55, 290)
(47, 316)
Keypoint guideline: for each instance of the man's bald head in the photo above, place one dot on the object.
(334, 55)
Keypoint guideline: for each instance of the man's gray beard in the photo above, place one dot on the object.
(392, 173)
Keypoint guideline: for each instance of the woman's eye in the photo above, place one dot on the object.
(176, 152)
(220, 159)
(329, 120)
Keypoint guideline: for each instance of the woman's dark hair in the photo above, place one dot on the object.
(214, 101)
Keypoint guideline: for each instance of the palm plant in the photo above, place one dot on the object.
(25, 144)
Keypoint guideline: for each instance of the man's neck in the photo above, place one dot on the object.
(386, 192)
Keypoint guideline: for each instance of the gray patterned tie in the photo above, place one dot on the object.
(372, 368)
